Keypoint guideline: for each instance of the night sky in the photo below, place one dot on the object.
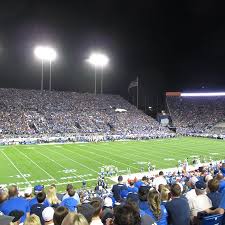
(170, 45)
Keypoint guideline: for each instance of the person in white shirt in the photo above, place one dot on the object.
(159, 180)
(191, 194)
(76, 196)
(201, 202)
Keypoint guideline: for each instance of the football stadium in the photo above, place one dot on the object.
(112, 113)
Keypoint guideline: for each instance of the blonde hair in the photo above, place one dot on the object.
(164, 194)
(154, 203)
(32, 220)
(74, 219)
(51, 195)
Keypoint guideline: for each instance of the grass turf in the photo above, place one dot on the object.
(72, 163)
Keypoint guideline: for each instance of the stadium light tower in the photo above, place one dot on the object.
(98, 60)
(45, 53)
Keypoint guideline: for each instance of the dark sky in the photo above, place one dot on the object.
(171, 45)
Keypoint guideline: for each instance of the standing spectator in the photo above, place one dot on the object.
(201, 202)
(15, 203)
(143, 196)
(214, 195)
(159, 180)
(47, 215)
(70, 202)
(191, 194)
(178, 208)
(59, 215)
(38, 208)
(59, 195)
(221, 180)
(156, 211)
(28, 193)
(74, 219)
(52, 197)
(97, 204)
(107, 210)
(32, 220)
(131, 188)
(86, 210)
(3, 195)
(164, 195)
(76, 196)
(117, 188)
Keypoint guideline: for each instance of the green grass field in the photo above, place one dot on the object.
(71, 163)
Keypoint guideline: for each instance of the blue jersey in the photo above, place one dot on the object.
(34, 201)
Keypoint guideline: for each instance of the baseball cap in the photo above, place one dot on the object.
(38, 188)
(193, 180)
(200, 185)
(16, 214)
(108, 202)
(28, 191)
(47, 214)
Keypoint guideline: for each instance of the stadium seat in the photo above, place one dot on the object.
(212, 220)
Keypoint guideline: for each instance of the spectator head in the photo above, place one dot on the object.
(161, 173)
(74, 219)
(68, 187)
(219, 176)
(154, 203)
(47, 214)
(161, 186)
(192, 181)
(108, 202)
(165, 194)
(126, 215)
(120, 179)
(144, 179)
(41, 196)
(97, 205)
(13, 191)
(213, 185)
(175, 190)
(28, 192)
(71, 192)
(17, 216)
(32, 220)
(3, 194)
(86, 210)
(143, 193)
(131, 182)
(51, 195)
(59, 215)
(200, 187)
(38, 189)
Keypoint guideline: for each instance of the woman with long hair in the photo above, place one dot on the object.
(52, 197)
(156, 211)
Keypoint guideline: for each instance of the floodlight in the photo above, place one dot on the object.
(205, 94)
(98, 59)
(45, 53)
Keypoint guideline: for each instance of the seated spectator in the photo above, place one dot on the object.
(38, 208)
(117, 188)
(178, 208)
(70, 202)
(15, 203)
(97, 205)
(156, 211)
(214, 195)
(76, 196)
(191, 194)
(165, 196)
(201, 202)
(32, 220)
(47, 215)
(17, 216)
(38, 189)
(52, 197)
(59, 214)
(86, 210)
(126, 215)
(221, 180)
(159, 180)
(74, 219)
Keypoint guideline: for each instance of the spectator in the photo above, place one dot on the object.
(32, 220)
(15, 203)
(221, 180)
(38, 208)
(165, 196)
(47, 215)
(28, 193)
(178, 208)
(70, 202)
(143, 196)
(214, 195)
(117, 188)
(201, 202)
(52, 197)
(59, 195)
(74, 219)
(59, 214)
(70, 188)
(3, 195)
(86, 210)
(156, 211)
(17, 216)
(159, 180)
(97, 205)
(131, 188)
(107, 210)
(191, 194)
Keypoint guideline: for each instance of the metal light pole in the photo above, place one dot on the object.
(50, 75)
(101, 79)
(95, 81)
(42, 75)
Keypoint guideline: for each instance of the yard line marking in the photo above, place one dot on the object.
(35, 164)
(16, 167)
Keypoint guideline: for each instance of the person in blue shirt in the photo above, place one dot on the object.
(15, 203)
(155, 210)
(220, 178)
(33, 201)
(70, 203)
(131, 188)
(143, 194)
(214, 195)
(117, 188)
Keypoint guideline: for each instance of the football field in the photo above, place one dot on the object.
(60, 164)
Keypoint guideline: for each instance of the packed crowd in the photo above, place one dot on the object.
(197, 114)
(174, 198)
(25, 113)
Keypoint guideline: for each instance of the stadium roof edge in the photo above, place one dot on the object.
(196, 94)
